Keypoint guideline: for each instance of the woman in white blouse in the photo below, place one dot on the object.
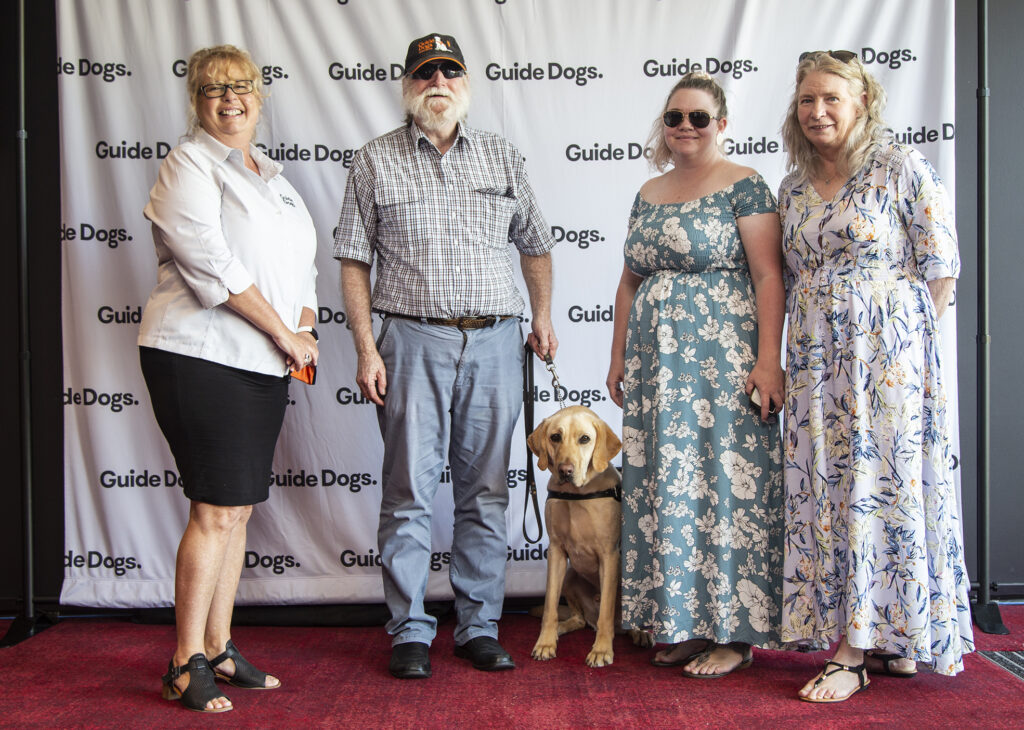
(231, 316)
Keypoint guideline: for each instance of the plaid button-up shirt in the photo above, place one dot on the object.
(441, 226)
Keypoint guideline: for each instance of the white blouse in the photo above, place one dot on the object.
(219, 228)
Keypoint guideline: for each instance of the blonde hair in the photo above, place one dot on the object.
(867, 132)
(700, 80)
(208, 62)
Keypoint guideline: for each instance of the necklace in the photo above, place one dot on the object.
(830, 178)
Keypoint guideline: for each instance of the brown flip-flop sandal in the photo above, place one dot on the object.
(746, 659)
(679, 662)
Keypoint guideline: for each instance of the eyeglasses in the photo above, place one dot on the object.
(841, 56)
(448, 68)
(215, 91)
(674, 117)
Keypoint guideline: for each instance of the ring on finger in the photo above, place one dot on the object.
(307, 358)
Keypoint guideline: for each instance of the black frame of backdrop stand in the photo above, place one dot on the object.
(984, 610)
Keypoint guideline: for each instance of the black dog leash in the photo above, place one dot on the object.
(531, 480)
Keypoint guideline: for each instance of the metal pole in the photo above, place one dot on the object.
(986, 614)
(28, 623)
(25, 356)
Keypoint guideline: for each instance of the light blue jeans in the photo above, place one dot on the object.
(460, 392)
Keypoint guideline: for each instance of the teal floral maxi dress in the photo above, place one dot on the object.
(701, 472)
(873, 539)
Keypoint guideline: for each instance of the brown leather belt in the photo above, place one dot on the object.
(462, 323)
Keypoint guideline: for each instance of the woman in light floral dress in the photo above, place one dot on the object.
(698, 326)
(874, 555)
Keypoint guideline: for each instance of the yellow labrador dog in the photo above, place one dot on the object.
(583, 514)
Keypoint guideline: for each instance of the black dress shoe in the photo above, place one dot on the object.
(486, 654)
(410, 660)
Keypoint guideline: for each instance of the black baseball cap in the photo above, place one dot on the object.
(432, 47)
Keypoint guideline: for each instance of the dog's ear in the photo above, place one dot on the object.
(607, 446)
(538, 443)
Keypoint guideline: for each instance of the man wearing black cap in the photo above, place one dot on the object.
(438, 204)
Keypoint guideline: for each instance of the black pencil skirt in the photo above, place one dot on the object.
(221, 424)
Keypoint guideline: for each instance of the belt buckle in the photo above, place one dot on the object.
(475, 323)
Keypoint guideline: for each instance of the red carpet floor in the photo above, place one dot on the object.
(106, 673)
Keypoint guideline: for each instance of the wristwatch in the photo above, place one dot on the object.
(310, 330)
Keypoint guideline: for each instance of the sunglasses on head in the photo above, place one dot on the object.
(449, 70)
(674, 117)
(841, 56)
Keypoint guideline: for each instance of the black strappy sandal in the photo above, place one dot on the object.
(246, 676)
(887, 663)
(860, 670)
(201, 685)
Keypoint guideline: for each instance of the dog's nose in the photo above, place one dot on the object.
(566, 472)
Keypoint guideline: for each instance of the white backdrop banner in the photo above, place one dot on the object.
(575, 84)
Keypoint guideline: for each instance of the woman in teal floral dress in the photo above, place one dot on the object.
(702, 481)
(874, 554)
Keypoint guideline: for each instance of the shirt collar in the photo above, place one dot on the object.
(462, 133)
(221, 152)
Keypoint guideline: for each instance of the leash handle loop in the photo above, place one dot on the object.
(531, 480)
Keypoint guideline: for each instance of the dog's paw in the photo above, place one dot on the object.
(542, 651)
(573, 623)
(600, 656)
(641, 638)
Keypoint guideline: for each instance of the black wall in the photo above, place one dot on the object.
(1006, 265)
(1006, 18)
(43, 204)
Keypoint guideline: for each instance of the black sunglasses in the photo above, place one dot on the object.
(449, 69)
(841, 56)
(674, 117)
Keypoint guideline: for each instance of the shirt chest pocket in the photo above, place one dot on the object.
(398, 209)
(489, 215)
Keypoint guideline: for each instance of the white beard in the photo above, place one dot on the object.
(420, 107)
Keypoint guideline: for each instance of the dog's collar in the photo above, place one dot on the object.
(615, 492)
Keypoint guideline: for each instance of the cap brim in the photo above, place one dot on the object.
(428, 59)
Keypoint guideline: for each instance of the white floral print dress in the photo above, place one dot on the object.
(873, 539)
(701, 472)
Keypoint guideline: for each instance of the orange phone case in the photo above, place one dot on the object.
(307, 374)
